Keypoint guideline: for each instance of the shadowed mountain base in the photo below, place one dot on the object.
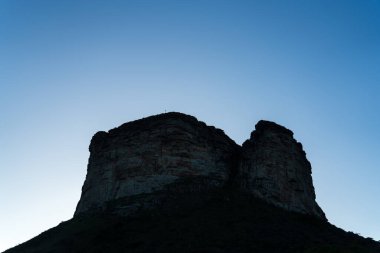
(216, 222)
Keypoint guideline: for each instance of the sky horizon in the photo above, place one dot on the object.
(71, 68)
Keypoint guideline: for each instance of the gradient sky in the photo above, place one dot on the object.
(71, 68)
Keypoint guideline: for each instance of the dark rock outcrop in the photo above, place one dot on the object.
(274, 167)
(148, 155)
(139, 163)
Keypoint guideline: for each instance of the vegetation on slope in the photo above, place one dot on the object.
(217, 222)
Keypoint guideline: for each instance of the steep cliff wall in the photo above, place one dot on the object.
(134, 165)
(274, 167)
(144, 156)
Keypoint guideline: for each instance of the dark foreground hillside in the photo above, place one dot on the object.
(221, 221)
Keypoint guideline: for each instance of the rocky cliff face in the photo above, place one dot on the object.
(147, 155)
(135, 165)
(274, 167)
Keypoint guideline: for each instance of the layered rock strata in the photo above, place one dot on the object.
(136, 164)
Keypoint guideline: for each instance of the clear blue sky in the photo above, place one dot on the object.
(71, 68)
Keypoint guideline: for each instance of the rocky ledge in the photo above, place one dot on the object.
(142, 162)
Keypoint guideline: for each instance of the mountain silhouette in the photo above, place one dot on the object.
(170, 183)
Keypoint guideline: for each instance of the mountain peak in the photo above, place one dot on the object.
(135, 165)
